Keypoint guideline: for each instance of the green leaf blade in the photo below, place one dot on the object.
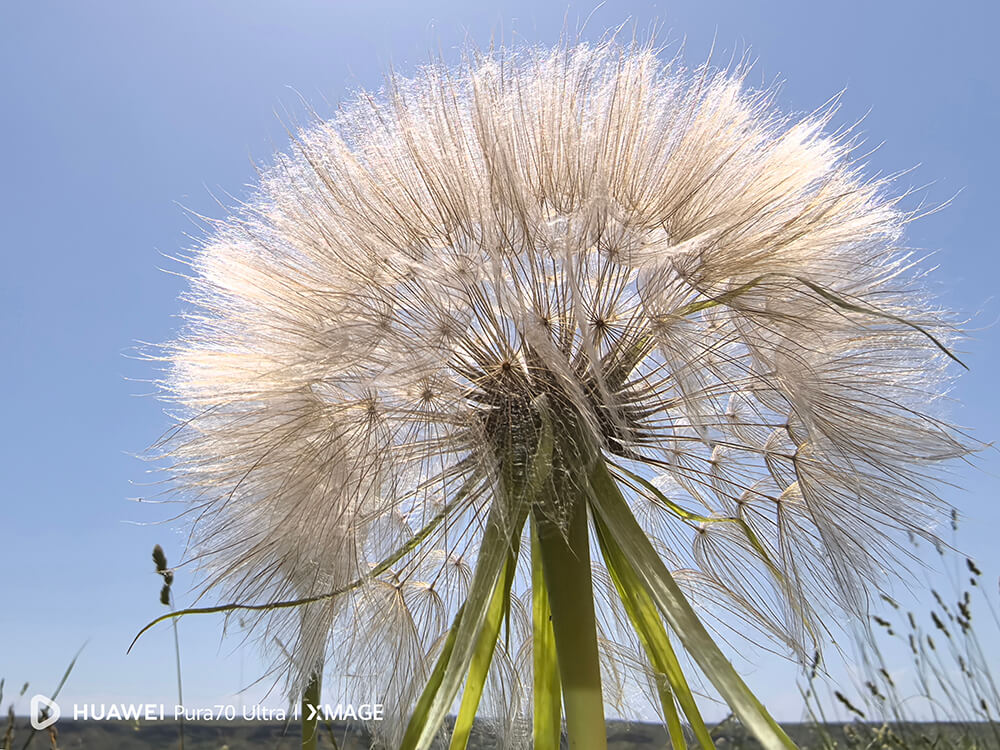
(621, 525)
(645, 618)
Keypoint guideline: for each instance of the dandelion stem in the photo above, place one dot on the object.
(546, 724)
(566, 563)
(310, 712)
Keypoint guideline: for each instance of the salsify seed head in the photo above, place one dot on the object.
(651, 261)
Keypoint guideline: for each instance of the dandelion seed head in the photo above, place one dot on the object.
(654, 259)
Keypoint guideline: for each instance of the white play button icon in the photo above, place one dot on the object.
(44, 712)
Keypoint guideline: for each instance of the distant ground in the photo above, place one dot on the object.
(260, 735)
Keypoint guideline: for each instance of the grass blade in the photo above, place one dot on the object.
(55, 693)
(407, 547)
(645, 618)
(483, 656)
(674, 606)
(424, 723)
(422, 709)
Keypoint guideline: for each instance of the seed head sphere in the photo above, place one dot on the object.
(709, 293)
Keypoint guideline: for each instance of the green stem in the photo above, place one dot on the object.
(180, 692)
(565, 557)
(547, 714)
(310, 712)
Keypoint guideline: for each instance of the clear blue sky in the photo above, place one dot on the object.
(117, 114)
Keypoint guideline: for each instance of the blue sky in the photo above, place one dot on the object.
(119, 116)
